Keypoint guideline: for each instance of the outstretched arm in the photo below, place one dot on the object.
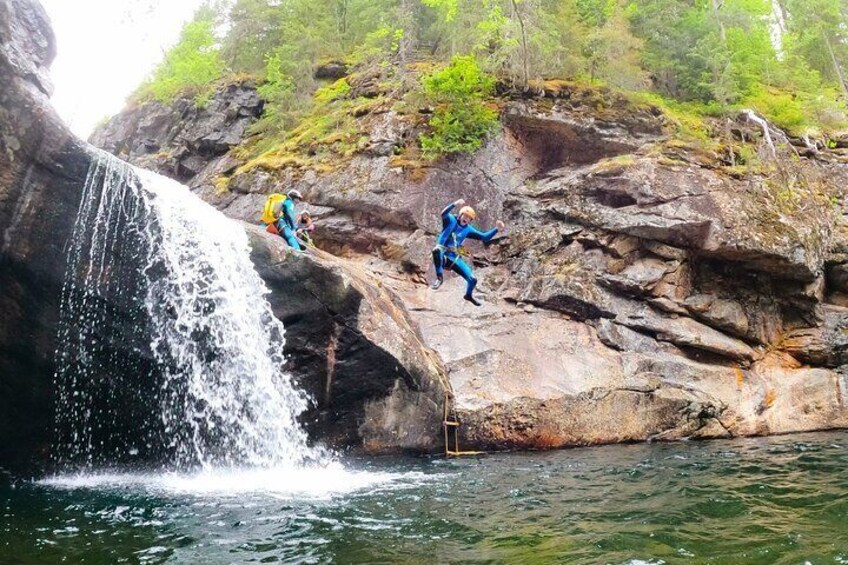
(486, 236)
(451, 206)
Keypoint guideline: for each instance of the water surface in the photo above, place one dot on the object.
(769, 500)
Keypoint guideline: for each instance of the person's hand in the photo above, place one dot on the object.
(460, 203)
(501, 225)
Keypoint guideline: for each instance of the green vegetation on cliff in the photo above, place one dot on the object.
(192, 66)
(786, 59)
(461, 118)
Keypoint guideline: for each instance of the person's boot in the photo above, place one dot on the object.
(439, 280)
(472, 300)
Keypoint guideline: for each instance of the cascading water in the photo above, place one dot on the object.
(167, 343)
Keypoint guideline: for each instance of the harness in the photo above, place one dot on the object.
(458, 251)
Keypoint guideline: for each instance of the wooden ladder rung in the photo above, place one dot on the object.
(448, 423)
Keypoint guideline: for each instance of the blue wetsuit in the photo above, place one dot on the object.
(446, 253)
(287, 225)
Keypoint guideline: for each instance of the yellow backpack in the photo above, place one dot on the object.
(273, 208)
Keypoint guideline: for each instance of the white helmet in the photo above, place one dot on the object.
(295, 194)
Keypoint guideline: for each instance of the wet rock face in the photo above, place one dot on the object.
(354, 349)
(41, 169)
(647, 289)
(28, 43)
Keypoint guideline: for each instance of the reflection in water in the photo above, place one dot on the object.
(774, 500)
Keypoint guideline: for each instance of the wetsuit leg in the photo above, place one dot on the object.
(438, 260)
(462, 269)
(288, 234)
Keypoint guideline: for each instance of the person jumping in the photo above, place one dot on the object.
(455, 229)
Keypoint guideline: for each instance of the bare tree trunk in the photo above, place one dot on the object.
(836, 66)
(407, 23)
(524, 50)
(343, 18)
(717, 4)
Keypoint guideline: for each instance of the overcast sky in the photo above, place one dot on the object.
(105, 49)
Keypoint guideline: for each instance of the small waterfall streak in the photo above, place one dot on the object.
(165, 321)
(764, 125)
(88, 363)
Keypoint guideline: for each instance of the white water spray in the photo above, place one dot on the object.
(213, 344)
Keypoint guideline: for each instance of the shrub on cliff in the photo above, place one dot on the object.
(461, 119)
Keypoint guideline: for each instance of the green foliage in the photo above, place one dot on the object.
(692, 58)
(378, 46)
(335, 91)
(325, 136)
(780, 108)
(254, 34)
(461, 120)
(448, 8)
(690, 119)
(193, 65)
(283, 104)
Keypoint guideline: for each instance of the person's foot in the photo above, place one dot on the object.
(439, 280)
(472, 300)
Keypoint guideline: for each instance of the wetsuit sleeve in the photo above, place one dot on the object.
(288, 214)
(485, 237)
(446, 212)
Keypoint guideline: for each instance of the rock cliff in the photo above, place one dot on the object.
(651, 287)
(352, 346)
(42, 167)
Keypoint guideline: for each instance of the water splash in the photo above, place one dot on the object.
(161, 291)
(319, 482)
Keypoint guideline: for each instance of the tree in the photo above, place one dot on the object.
(254, 32)
(193, 65)
(706, 51)
(819, 35)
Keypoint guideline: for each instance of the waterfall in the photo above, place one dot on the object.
(167, 344)
(778, 29)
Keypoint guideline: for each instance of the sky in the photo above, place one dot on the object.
(106, 48)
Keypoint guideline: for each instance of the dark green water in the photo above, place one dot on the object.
(773, 500)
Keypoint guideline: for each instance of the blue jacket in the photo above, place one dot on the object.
(288, 215)
(453, 234)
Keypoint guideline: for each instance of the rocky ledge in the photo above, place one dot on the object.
(353, 347)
